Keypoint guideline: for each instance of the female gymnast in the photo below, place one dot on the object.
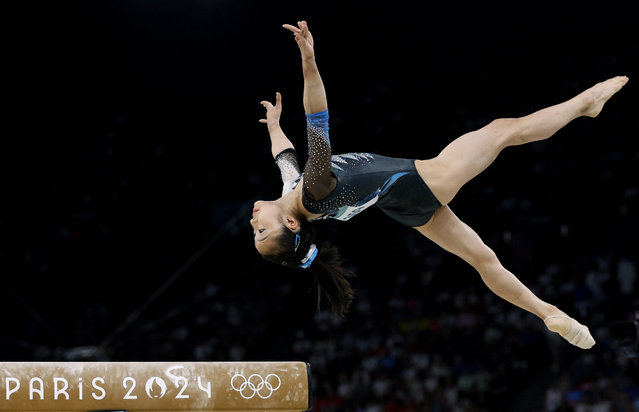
(416, 193)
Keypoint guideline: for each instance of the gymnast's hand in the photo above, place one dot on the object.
(273, 113)
(303, 38)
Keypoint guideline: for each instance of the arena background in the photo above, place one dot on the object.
(132, 154)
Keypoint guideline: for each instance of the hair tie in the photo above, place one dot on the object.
(297, 242)
(310, 257)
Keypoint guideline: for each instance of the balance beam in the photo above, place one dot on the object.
(154, 386)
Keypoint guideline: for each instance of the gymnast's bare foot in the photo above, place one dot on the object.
(599, 94)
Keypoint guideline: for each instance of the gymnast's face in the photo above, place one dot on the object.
(267, 224)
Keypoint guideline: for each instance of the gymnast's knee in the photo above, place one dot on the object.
(483, 258)
(508, 131)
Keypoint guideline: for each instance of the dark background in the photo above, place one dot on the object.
(132, 154)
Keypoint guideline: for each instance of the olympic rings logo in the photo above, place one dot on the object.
(255, 385)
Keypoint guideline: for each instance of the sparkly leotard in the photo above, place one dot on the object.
(363, 180)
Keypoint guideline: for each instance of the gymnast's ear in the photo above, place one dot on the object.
(291, 222)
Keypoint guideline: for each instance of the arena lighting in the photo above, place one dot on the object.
(154, 386)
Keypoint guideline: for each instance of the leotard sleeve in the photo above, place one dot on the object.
(317, 172)
(286, 161)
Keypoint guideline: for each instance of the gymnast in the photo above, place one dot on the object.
(416, 193)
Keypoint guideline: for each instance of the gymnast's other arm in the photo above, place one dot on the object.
(282, 149)
(279, 141)
(449, 232)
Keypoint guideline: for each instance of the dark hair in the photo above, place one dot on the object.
(331, 278)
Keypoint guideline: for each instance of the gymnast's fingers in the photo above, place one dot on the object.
(291, 28)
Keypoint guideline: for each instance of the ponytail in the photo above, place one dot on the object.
(332, 279)
(297, 250)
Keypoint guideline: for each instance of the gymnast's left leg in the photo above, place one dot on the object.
(470, 154)
(446, 230)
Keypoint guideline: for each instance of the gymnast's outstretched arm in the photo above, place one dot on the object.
(314, 92)
(318, 180)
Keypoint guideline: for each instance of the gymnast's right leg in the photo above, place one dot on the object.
(468, 155)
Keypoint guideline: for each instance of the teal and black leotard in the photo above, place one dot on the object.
(363, 180)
